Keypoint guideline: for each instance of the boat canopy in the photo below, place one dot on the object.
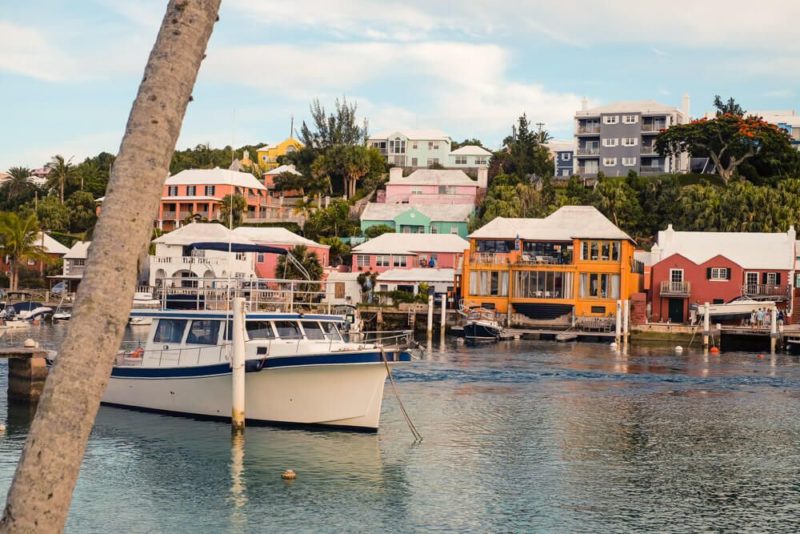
(236, 247)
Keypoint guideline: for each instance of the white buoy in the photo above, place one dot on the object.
(29, 344)
(678, 349)
(613, 345)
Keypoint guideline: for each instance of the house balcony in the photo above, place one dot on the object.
(653, 127)
(649, 150)
(589, 129)
(168, 215)
(588, 151)
(488, 258)
(587, 172)
(766, 291)
(675, 289)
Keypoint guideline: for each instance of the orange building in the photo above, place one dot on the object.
(200, 192)
(574, 263)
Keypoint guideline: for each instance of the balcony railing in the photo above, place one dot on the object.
(589, 129)
(488, 258)
(649, 149)
(675, 289)
(765, 290)
(588, 151)
(651, 170)
(168, 215)
(653, 127)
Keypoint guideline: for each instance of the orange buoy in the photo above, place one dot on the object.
(760, 356)
(289, 474)
(714, 350)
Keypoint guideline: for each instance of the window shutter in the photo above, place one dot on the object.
(764, 278)
(777, 279)
(708, 273)
(728, 274)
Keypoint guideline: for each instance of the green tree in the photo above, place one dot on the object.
(348, 163)
(53, 215)
(309, 260)
(19, 243)
(82, 211)
(18, 183)
(466, 142)
(339, 253)
(333, 221)
(378, 229)
(730, 107)
(618, 201)
(729, 140)
(526, 156)
(61, 173)
(232, 209)
(337, 128)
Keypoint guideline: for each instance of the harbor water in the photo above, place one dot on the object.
(519, 437)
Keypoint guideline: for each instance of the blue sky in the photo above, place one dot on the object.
(69, 70)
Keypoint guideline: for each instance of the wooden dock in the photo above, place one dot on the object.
(552, 334)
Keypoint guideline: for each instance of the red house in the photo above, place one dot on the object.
(692, 268)
(275, 236)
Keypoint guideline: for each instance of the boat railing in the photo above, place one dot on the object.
(132, 354)
(385, 338)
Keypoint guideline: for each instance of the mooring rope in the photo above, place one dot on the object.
(414, 431)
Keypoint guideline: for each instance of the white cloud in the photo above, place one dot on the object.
(78, 148)
(25, 50)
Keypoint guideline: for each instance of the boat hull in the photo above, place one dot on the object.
(481, 331)
(340, 394)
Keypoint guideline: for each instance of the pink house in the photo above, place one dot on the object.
(408, 251)
(265, 264)
(434, 186)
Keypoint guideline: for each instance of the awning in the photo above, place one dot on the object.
(236, 247)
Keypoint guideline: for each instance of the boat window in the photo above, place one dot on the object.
(169, 330)
(313, 330)
(260, 330)
(288, 330)
(203, 332)
(332, 331)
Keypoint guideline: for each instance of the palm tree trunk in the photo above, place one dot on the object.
(63, 179)
(41, 492)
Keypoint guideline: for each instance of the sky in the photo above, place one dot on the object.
(69, 70)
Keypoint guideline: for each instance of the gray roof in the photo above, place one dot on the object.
(565, 224)
(435, 177)
(470, 150)
(629, 106)
(392, 243)
(436, 212)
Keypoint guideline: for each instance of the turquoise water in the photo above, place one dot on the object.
(519, 437)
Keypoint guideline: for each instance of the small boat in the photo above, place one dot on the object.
(28, 311)
(737, 308)
(481, 326)
(62, 316)
(299, 369)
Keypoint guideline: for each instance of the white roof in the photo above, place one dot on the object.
(561, 146)
(435, 177)
(215, 177)
(274, 236)
(50, 245)
(750, 250)
(422, 135)
(417, 274)
(643, 256)
(785, 116)
(565, 224)
(435, 212)
(201, 232)
(392, 243)
(282, 169)
(470, 150)
(79, 251)
(630, 106)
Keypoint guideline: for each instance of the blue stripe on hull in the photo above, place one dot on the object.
(202, 371)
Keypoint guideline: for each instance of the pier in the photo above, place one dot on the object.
(27, 372)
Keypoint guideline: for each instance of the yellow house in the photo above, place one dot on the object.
(573, 263)
(268, 154)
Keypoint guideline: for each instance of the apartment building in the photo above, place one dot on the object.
(620, 137)
(787, 120)
(412, 148)
(563, 154)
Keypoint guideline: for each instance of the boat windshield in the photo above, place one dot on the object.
(260, 330)
(203, 332)
(313, 330)
(169, 330)
(288, 330)
(331, 331)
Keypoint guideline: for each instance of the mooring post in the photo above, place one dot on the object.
(773, 330)
(626, 321)
(237, 367)
(430, 315)
(444, 313)
(706, 325)
(27, 372)
(618, 330)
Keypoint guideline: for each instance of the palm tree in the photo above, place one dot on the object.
(61, 171)
(236, 203)
(19, 242)
(289, 270)
(41, 493)
(18, 184)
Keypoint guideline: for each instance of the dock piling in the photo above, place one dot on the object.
(237, 367)
(773, 330)
(626, 321)
(618, 328)
(430, 315)
(706, 325)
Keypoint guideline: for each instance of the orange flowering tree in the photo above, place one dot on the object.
(728, 139)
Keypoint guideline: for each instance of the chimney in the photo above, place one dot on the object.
(655, 254)
(685, 107)
(792, 233)
(584, 104)
(483, 177)
(395, 173)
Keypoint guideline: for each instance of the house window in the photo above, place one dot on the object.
(191, 190)
(414, 161)
(772, 279)
(461, 160)
(172, 191)
(362, 260)
(566, 156)
(751, 279)
(433, 145)
(453, 229)
(382, 261)
(719, 273)
(479, 160)
(77, 262)
(600, 250)
(611, 119)
(610, 141)
(416, 190)
(434, 229)
(599, 285)
(211, 190)
(400, 261)
(629, 162)
(609, 162)
(676, 275)
(630, 119)
(488, 283)
(565, 172)
(414, 145)
(338, 290)
(629, 141)
(260, 257)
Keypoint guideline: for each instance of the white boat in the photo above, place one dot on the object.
(481, 325)
(300, 370)
(739, 307)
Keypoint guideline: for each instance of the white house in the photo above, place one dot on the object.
(468, 157)
(412, 148)
(342, 288)
(174, 258)
(74, 260)
(409, 280)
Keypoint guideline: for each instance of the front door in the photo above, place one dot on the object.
(676, 310)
